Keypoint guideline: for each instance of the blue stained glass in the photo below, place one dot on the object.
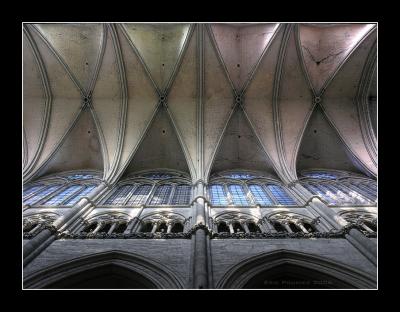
(140, 195)
(327, 194)
(42, 194)
(181, 195)
(157, 175)
(32, 189)
(72, 201)
(61, 196)
(259, 195)
(238, 196)
(218, 196)
(161, 195)
(280, 195)
(119, 195)
(239, 175)
(370, 190)
(81, 176)
(321, 175)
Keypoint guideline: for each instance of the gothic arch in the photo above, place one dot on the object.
(243, 273)
(148, 272)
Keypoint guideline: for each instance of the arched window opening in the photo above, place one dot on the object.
(309, 227)
(90, 228)
(237, 227)
(120, 228)
(218, 195)
(260, 195)
(140, 195)
(106, 228)
(294, 227)
(238, 196)
(43, 193)
(222, 227)
(162, 228)
(280, 195)
(31, 189)
(63, 195)
(146, 227)
(253, 228)
(161, 195)
(278, 227)
(177, 228)
(181, 195)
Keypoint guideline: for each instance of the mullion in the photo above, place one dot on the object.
(45, 193)
(77, 197)
(238, 195)
(127, 198)
(182, 195)
(36, 189)
(218, 195)
(258, 193)
(133, 200)
(66, 193)
(281, 195)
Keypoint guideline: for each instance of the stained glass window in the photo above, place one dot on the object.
(161, 195)
(63, 195)
(157, 175)
(238, 196)
(321, 175)
(181, 195)
(259, 195)
(81, 176)
(42, 194)
(140, 195)
(119, 196)
(32, 189)
(239, 175)
(280, 195)
(218, 196)
(72, 201)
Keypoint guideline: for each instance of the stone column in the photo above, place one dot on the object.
(268, 226)
(246, 228)
(98, 227)
(231, 228)
(38, 243)
(169, 228)
(113, 226)
(355, 237)
(200, 269)
(287, 227)
(301, 226)
(154, 229)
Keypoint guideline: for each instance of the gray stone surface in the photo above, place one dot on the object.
(172, 253)
(228, 252)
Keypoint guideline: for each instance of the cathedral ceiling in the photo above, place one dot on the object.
(126, 97)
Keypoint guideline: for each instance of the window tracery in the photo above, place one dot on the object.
(64, 189)
(344, 189)
(258, 191)
(164, 189)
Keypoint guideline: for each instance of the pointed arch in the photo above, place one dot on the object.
(48, 97)
(320, 140)
(160, 147)
(246, 271)
(153, 273)
(242, 138)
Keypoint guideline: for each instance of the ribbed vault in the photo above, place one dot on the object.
(204, 85)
